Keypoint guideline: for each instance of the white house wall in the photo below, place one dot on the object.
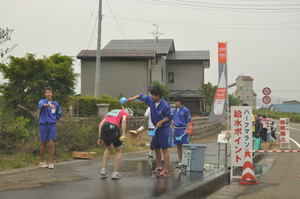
(186, 76)
(116, 77)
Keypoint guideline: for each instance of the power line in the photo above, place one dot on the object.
(117, 22)
(222, 8)
(232, 4)
(214, 25)
(93, 32)
(88, 24)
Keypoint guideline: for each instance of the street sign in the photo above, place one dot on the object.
(267, 91)
(284, 132)
(241, 133)
(266, 99)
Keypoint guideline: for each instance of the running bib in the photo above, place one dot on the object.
(114, 113)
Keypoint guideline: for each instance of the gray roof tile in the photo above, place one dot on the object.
(162, 46)
(188, 56)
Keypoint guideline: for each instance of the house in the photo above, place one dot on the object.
(244, 90)
(291, 102)
(191, 99)
(285, 108)
(129, 67)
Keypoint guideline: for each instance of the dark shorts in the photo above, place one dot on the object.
(47, 132)
(162, 139)
(111, 135)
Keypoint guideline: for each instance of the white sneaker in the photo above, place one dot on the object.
(179, 165)
(43, 165)
(103, 173)
(51, 166)
(116, 176)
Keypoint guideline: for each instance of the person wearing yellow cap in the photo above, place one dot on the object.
(110, 135)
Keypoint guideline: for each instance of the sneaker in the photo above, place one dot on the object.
(103, 173)
(116, 176)
(51, 166)
(43, 165)
(179, 165)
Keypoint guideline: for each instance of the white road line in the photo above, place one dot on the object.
(295, 142)
(294, 129)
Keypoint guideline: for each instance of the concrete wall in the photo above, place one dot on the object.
(157, 68)
(186, 76)
(126, 77)
(202, 126)
(88, 69)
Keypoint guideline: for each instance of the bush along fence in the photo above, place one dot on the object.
(86, 106)
(294, 117)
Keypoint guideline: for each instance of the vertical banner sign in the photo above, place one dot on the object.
(284, 131)
(241, 133)
(219, 112)
(237, 149)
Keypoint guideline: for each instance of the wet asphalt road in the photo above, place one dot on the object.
(81, 180)
(279, 176)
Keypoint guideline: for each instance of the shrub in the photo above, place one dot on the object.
(87, 105)
(77, 135)
(14, 131)
(294, 117)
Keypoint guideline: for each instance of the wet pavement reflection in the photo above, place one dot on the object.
(137, 181)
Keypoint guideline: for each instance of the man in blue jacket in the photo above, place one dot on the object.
(161, 117)
(50, 112)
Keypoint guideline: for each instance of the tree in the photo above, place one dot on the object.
(234, 101)
(5, 35)
(164, 89)
(208, 90)
(28, 77)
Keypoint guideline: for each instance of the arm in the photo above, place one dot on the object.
(124, 120)
(100, 141)
(58, 112)
(168, 116)
(160, 123)
(144, 98)
(133, 98)
(188, 120)
(42, 105)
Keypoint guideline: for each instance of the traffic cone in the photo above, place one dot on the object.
(248, 176)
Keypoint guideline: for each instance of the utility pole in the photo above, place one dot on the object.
(98, 56)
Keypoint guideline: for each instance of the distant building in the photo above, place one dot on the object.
(285, 108)
(291, 102)
(244, 90)
(129, 67)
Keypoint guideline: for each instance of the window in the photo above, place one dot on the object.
(171, 77)
(162, 75)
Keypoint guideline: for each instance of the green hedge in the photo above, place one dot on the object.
(87, 105)
(294, 117)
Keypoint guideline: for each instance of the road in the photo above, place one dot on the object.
(280, 181)
(80, 179)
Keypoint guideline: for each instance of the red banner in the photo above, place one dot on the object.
(222, 52)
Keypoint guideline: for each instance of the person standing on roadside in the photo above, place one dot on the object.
(50, 112)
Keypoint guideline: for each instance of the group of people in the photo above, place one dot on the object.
(112, 130)
(261, 128)
(161, 120)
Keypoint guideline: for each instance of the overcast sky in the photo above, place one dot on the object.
(264, 44)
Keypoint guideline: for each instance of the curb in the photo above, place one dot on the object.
(201, 189)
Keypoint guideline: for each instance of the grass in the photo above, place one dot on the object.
(294, 117)
(21, 159)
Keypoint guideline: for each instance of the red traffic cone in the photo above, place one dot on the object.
(248, 176)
